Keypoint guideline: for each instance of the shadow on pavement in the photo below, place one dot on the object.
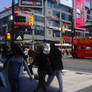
(29, 86)
(87, 89)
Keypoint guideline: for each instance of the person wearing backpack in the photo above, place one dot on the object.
(15, 65)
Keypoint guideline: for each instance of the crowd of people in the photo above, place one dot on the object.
(47, 58)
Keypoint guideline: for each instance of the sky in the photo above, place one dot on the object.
(5, 3)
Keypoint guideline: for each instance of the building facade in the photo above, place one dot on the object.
(48, 21)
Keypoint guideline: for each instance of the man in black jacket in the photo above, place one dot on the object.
(57, 66)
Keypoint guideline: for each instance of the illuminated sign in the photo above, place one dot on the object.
(30, 3)
(79, 13)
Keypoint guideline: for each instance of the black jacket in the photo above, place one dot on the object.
(56, 59)
(43, 63)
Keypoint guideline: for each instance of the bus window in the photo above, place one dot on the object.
(88, 48)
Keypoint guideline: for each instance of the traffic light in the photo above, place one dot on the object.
(54, 35)
(63, 29)
(8, 36)
(31, 22)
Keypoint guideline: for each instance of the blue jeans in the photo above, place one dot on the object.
(21, 84)
(58, 74)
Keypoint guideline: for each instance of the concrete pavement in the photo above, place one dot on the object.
(73, 81)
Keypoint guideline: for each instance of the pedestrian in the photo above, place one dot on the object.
(26, 54)
(43, 69)
(67, 52)
(31, 56)
(15, 67)
(63, 51)
(57, 66)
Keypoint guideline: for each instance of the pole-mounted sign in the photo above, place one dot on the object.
(30, 3)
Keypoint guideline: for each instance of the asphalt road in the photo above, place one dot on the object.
(80, 64)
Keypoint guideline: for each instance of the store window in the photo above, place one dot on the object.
(49, 4)
(38, 11)
(56, 23)
(39, 30)
(39, 19)
(56, 33)
(56, 14)
(53, 4)
(66, 17)
(64, 8)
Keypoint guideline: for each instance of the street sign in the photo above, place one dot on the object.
(19, 38)
(30, 3)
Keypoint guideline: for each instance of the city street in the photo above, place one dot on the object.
(79, 64)
(77, 77)
(31, 34)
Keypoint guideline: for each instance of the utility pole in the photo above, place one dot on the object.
(13, 19)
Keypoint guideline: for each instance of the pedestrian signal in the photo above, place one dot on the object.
(8, 36)
(31, 22)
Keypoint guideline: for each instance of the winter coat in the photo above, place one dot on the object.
(56, 59)
(43, 63)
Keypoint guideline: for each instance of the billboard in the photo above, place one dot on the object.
(87, 3)
(66, 2)
(79, 13)
(30, 3)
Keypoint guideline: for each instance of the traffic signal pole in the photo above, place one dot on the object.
(13, 19)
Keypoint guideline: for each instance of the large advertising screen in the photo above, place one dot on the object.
(79, 13)
(30, 3)
(66, 2)
(87, 3)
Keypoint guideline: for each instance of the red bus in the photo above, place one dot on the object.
(82, 47)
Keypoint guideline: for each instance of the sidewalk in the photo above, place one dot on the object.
(77, 81)
(72, 82)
